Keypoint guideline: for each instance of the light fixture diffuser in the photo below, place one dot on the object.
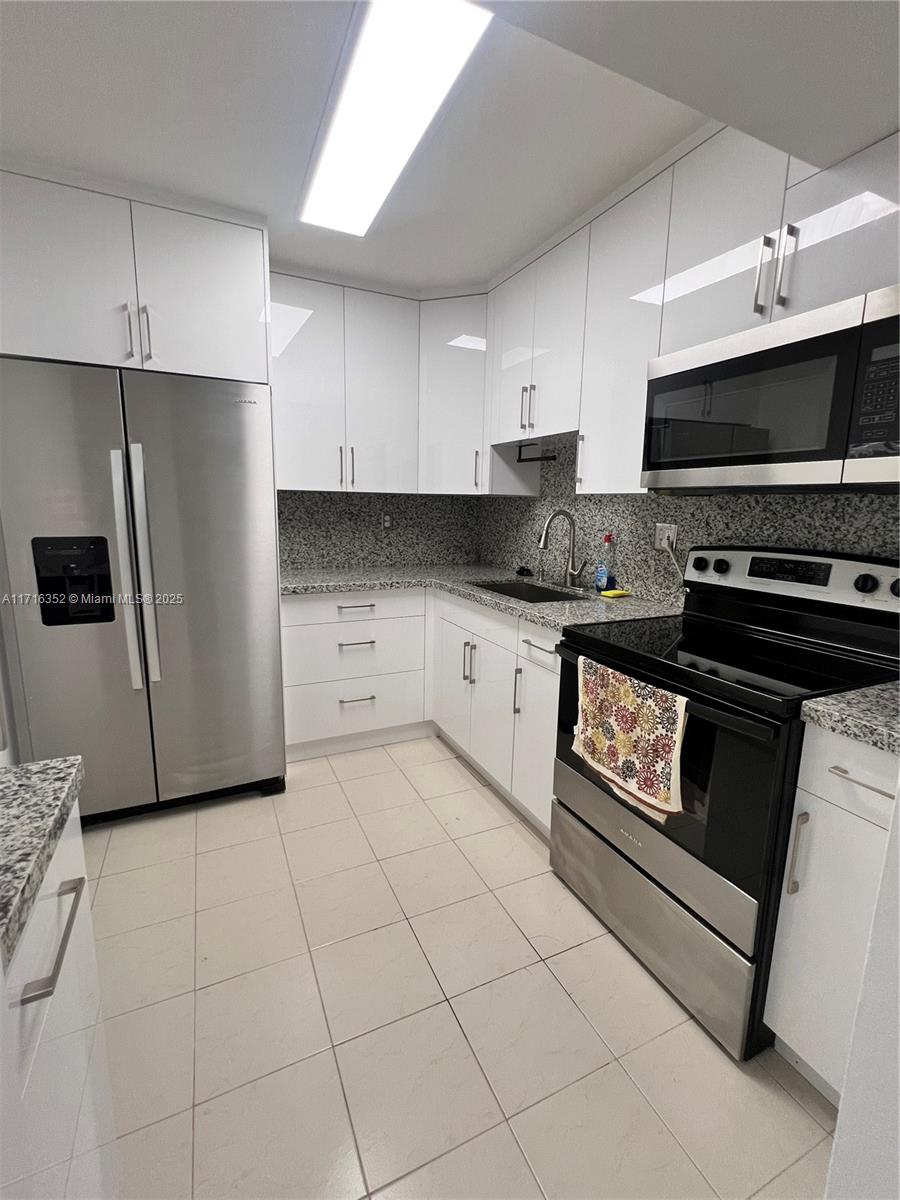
(407, 56)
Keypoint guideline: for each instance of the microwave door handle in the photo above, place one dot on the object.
(726, 720)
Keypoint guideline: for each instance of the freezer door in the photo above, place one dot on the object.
(204, 500)
(64, 511)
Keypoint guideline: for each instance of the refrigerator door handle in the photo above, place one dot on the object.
(145, 564)
(123, 546)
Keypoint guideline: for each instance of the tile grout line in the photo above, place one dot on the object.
(772, 1075)
(783, 1170)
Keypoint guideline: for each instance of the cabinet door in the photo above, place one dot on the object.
(514, 337)
(202, 290)
(624, 311)
(452, 690)
(840, 231)
(67, 287)
(492, 683)
(537, 699)
(452, 347)
(382, 365)
(559, 299)
(307, 329)
(822, 933)
(727, 196)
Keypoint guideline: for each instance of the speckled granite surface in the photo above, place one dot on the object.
(870, 715)
(457, 580)
(35, 802)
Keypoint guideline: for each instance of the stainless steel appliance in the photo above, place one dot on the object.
(808, 400)
(696, 897)
(141, 572)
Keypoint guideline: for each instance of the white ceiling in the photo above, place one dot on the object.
(221, 101)
(817, 78)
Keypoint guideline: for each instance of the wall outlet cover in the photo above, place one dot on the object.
(386, 521)
(664, 533)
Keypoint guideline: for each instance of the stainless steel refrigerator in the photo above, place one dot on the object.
(139, 566)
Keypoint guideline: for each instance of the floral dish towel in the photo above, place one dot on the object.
(630, 734)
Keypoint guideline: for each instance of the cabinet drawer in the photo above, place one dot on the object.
(347, 650)
(823, 749)
(324, 608)
(314, 710)
(538, 645)
(499, 628)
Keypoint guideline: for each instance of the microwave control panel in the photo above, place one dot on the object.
(875, 423)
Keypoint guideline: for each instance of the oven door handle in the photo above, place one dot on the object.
(762, 732)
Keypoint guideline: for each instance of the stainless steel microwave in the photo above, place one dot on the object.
(808, 400)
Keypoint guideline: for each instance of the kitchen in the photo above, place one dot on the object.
(352, 843)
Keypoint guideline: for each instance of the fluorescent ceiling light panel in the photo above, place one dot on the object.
(408, 54)
(469, 341)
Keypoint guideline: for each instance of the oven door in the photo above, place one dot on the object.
(716, 856)
(766, 407)
(874, 439)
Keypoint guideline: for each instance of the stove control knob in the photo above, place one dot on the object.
(895, 588)
(721, 566)
(700, 563)
(866, 583)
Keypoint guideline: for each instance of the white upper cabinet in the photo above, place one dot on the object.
(452, 351)
(67, 287)
(307, 332)
(202, 292)
(624, 312)
(382, 380)
(727, 201)
(559, 309)
(513, 331)
(840, 231)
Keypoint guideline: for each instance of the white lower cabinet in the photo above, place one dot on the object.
(314, 711)
(492, 681)
(534, 752)
(452, 690)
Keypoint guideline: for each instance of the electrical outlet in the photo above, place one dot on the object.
(386, 522)
(663, 534)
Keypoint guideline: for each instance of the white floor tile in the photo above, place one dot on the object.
(599, 1138)
(441, 778)
(147, 1057)
(471, 942)
(374, 978)
(618, 996)
(357, 763)
(311, 772)
(238, 871)
(45, 1185)
(142, 841)
(489, 1167)
(400, 830)
(373, 793)
(414, 1091)
(801, 1089)
(804, 1180)
(231, 822)
(419, 752)
(471, 811)
(96, 839)
(312, 806)
(247, 934)
(550, 916)
(738, 1125)
(257, 1023)
(153, 1162)
(347, 903)
(502, 856)
(286, 1135)
(143, 897)
(144, 966)
(326, 849)
(431, 878)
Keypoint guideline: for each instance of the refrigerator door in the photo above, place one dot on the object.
(64, 510)
(205, 522)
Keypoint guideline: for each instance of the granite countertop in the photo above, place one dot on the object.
(457, 581)
(870, 715)
(35, 802)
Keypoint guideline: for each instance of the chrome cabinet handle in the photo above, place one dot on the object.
(472, 649)
(145, 309)
(765, 243)
(341, 454)
(793, 885)
(466, 646)
(123, 547)
(536, 646)
(476, 468)
(342, 645)
(130, 353)
(341, 607)
(522, 424)
(579, 442)
(145, 561)
(516, 673)
(532, 388)
(358, 700)
(353, 466)
(40, 989)
(788, 231)
(842, 773)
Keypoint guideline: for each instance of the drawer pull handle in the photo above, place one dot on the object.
(358, 700)
(516, 674)
(466, 646)
(535, 646)
(793, 882)
(341, 607)
(40, 989)
(370, 642)
(472, 649)
(870, 787)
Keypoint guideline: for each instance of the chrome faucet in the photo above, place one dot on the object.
(572, 572)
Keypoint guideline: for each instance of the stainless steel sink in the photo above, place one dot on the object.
(531, 593)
